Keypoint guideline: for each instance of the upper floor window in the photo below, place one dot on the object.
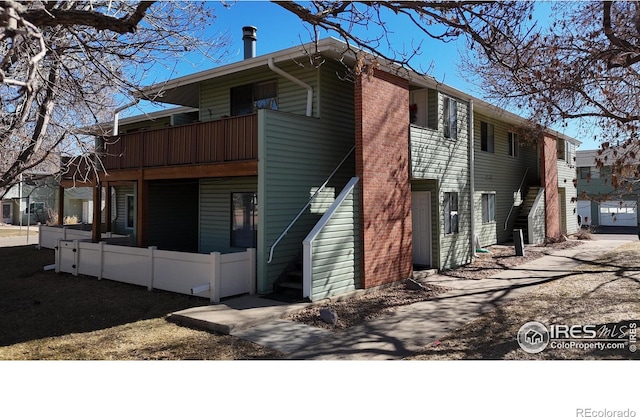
(450, 118)
(514, 146)
(423, 108)
(247, 99)
(486, 137)
(584, 173)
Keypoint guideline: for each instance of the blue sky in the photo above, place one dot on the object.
(279, 29)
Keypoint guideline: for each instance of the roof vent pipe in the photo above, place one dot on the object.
(249, 37)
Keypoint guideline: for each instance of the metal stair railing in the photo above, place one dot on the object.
(506, 222)
(284, 233)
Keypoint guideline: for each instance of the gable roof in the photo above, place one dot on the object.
(184, 91)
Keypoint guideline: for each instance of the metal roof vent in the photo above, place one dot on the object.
(249, 37)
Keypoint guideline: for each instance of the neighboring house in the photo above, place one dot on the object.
(35, 200)
(31, 201)
(599, 202)
(419, 170)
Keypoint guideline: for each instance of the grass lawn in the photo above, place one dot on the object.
(44, 315)
(605, 292)
(16, 232)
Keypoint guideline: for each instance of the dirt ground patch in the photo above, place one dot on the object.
(44, 315)
(606, 292)
(501, 258)
(359, 309)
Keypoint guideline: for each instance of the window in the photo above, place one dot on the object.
(488, 208)
(249, 98)
(450, 118)
(584, 173)
(450, 213)
(35, 208)
(244, 220)
(561, 148)
(514, 146)
(130, 210)
(486, 137)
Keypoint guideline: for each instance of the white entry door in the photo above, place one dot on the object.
(7, 212)
(421, 224)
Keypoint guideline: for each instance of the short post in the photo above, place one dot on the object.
(152, 250)
(40, 237)
(57, 254)
(252, 270)
(518, 241)
(76, 257)
(101, 251)
(214, 277)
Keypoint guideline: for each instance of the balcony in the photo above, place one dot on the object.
(226, 140)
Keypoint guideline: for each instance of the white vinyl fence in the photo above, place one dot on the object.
(48, 236)
(213, 276)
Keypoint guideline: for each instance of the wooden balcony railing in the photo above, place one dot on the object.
(225, 140)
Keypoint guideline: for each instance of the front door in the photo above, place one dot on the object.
(7, 214)
(421, 223)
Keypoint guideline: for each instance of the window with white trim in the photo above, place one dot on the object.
(514, 145)
(488, 208)
(244, 220)
(486, 137)
(450, 213)
(450, 117)
(129, 211)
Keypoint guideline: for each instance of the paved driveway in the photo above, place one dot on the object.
(615, 233)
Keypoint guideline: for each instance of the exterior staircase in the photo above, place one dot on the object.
(522, 221)
(288, 286)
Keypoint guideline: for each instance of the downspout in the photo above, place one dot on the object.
(302, 84)
(472, 183)
(116, 114)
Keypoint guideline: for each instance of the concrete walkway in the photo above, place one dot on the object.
(401, 333)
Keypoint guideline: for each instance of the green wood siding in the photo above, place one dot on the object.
(215, 211)
(296, 155)
(336, 252)
(215, 98)
(434, 157)
(159, 123)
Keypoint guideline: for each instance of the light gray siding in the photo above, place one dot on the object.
(498, 172)
(434, 157)
(121, 193)
(537, 231)
(566, 181)
(336, 252)
(215, 211)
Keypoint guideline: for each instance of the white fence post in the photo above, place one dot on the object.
(101, 251)
(58, 256)
(252, 270)
(214, 278)
(152, 250)
(64, 233)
